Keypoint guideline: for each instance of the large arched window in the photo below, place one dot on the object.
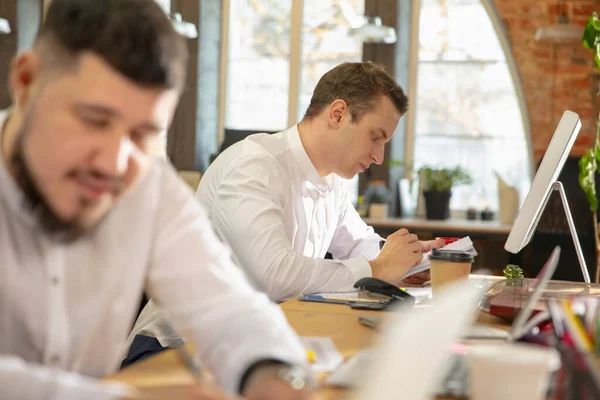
(467, 110)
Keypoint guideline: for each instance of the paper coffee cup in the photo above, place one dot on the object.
(510, 371)
(449, 266)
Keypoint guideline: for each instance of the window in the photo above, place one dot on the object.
(467, 110)
(258, 65)
(259, 83)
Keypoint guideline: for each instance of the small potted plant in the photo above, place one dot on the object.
(437, 186)
(377, 198)
(514, 274)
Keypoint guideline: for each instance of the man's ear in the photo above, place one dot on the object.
(24, 73)
(337, 112)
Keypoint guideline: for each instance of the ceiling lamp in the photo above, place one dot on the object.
(186, 29)
(373, 31)
(366, 29)
(4, 27)
(562, 32)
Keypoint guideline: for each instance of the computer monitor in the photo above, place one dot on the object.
(544, 183)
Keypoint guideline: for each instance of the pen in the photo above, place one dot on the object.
(185, 356)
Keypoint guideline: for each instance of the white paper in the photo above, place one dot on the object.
(464, 244)
(328, 358)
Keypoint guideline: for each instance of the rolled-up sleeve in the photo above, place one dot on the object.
(207, 297)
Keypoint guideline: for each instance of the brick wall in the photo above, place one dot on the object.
(555, 77)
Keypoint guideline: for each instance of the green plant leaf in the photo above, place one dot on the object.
(513, 272)
(587, 171)
(443, 179)
(591, 32)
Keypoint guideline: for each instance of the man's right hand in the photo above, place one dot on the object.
(401, 251)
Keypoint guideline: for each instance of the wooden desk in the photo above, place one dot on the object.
(308, 319)
(449, 225)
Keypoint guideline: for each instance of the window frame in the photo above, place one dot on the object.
(413, 73)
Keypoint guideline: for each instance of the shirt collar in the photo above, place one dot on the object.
(323, 185)
(10, 190)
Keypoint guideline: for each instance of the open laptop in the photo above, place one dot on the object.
(455, 382)
(417, 343)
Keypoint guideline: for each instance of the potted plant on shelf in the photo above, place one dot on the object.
(437, 186)
(377, 198)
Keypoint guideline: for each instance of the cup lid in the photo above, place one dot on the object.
(451, 255)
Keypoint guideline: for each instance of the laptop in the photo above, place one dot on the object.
(414, 343)
(455, 382)
(418, 343)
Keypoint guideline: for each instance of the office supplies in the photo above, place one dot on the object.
(453, 379)
(379, 287)
(414, 345)
(544, 183)
(455, 382)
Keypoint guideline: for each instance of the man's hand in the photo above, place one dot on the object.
(265, 384)
(432, 244)
(422, 277)
(401, 251)
(272, 388)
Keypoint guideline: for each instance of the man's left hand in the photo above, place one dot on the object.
(424, 276)
(264, 384)
(427, 245)
(269, 388)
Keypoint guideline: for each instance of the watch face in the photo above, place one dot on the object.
(297, 377)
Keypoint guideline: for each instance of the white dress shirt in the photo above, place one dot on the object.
(71, 306)
(267, 201)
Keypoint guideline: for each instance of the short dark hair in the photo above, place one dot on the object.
(360, 85)
(133, 36)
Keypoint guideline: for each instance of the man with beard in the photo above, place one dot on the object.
(89, 219)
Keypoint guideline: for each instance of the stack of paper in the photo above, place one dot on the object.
(464, 244)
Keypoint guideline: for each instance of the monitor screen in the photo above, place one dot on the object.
(552, 163)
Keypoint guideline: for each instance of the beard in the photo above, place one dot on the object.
(50, 223)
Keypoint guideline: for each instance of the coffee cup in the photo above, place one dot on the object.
(448, 266)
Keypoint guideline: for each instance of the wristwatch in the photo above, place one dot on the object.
(295, 376)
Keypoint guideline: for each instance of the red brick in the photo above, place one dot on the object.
(580, 83)
(555, 10)
(582, 9)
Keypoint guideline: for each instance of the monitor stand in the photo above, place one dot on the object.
(558, 186)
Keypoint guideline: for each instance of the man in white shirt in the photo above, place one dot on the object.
(279, 200)
(89, 218)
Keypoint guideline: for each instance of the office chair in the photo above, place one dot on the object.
(233, 136)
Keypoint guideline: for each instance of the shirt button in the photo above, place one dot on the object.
(55, 281)
(54, 359)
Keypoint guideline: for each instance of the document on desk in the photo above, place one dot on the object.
(464, 244)
(326, 356)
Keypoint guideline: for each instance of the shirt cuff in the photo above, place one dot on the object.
(359, 267)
